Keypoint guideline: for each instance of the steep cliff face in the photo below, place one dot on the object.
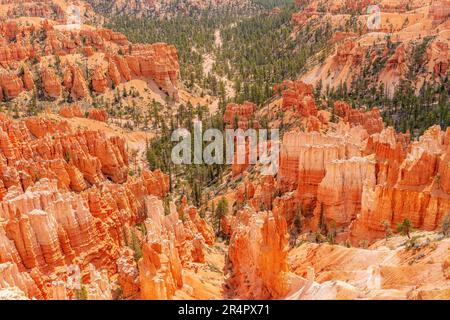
(46, 229)
(257, 257)
(352, 177)
(304, 156)
(339, 193)
(320, 168)
(416, 189)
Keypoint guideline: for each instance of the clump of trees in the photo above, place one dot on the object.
(445, 228)
(218, 213)
(405, 228)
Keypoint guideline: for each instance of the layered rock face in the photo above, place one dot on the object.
(312, 164)
(77, 159)
(439, 11)
(412, 185)
(299, 97)
(370, 120)
(339, 193)
(348, 53)
(75, 83)
(68, 205)
(357, 177)
(304, 156)
(238, 116)
(257, 257)
(108, 58)
(170, 244)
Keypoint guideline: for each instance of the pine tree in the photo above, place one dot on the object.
(405, 228)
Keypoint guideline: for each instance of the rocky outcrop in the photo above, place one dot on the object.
(339, 193)
(28, 80)
(158, 62)
(437, 56)
(299, 19)
(397, 64)
(439, 11)
(11, 85)
(350, 181)
(160, 271)
(257, 256)
(240, 116)
(299, 97)
(99, 80)
(348, 53)
(98, 115)
(75, 83)
(170, 244)
(419, 192)
(50, 219)
(304, 156)
(371, 120)
(114, 73)
(71, 111)
(128, 274)
(50, 83)
(69, 156)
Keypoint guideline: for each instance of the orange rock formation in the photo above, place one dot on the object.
(257, 257)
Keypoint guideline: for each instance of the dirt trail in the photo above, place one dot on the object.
(209, 61)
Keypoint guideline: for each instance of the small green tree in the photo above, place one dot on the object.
(135, 245)
(331, 235)
(221, 211)
(296, 226)
(81, 294)
(446, 226)
(405, 228)
(387, 230)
